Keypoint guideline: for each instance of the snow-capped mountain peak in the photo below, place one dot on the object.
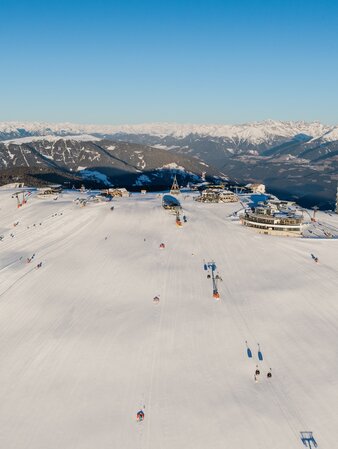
(254, 133)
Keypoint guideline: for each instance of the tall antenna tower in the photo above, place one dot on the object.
(337, 200)
(175, 189)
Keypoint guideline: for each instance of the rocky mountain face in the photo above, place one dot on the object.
(99, 161)
(296, 159)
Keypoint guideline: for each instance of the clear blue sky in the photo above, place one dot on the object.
(133, 61)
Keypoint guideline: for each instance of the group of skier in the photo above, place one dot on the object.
(156, 300)
(29, 260)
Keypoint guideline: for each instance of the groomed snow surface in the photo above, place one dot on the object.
(83, 346)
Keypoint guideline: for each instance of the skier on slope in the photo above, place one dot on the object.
(140, 416)
(314, 258)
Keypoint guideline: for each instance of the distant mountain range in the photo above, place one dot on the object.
(249, 133)
(295, 159)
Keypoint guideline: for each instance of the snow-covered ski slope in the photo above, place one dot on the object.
(83, 347)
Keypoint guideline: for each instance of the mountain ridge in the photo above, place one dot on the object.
(105, 161)
(297, 158)
(255, 132)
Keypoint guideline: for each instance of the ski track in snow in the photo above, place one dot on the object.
(84, 347)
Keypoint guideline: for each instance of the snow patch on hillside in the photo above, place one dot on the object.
(330, 136)
(164, 147)
(95, 175)
(172, 166)
(141, 180)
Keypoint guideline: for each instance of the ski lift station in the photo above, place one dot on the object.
(171, 203)
(268, 219)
